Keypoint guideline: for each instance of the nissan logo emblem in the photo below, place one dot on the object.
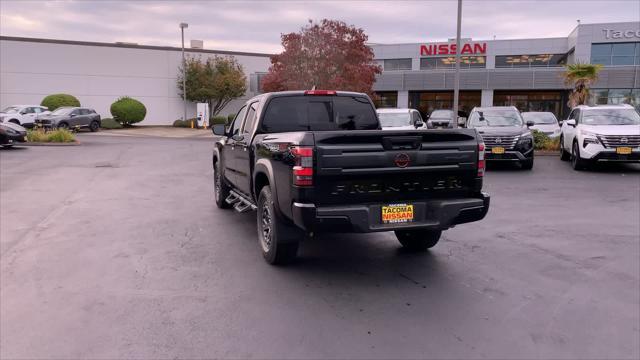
(402, 160)
(624, 140)
(498, 140)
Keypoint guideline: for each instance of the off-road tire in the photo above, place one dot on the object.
(278, 240)
(418, 240)
(220, 188)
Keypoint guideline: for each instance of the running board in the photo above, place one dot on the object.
(241, 204)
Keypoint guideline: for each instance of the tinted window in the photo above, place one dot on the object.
(27, 110)
(251, 118)
(317, 113)
(237, 122)
(397, 64)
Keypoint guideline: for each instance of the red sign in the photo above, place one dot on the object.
(450, 49)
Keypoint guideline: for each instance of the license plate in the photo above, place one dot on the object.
(623, 150)
(497, 150)
(397, 213)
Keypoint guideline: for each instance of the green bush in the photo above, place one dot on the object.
(216, 120)
(55, 101)
(128, 111)
(230, 118)
(109, 123)
(58, 136)
(543, 142)
(184, 124)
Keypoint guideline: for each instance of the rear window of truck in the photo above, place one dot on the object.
(319, 113)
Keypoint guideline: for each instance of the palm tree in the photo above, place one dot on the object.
(580, 76)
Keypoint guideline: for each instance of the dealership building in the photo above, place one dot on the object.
(526, 73)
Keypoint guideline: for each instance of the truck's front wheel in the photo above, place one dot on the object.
(278, 240)
(220, 189)
(418, 240)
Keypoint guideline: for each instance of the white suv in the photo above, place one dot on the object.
(600, 133)
(24, 115)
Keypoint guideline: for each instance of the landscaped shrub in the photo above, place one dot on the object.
(128, 111)
(58, 136)
(230, 118)
(109, 123)
(184, 124)
(543, 142)
(55, 101)
(216, 120)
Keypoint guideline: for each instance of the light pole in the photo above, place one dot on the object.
(456, 85)
(184, 70)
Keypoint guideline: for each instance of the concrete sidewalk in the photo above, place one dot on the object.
(155, 131)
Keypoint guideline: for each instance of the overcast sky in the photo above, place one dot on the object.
(256, 25)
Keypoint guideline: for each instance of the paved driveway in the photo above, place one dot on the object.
(114, 249)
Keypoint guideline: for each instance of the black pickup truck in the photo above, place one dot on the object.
(313, 161)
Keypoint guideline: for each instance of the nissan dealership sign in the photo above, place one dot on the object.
(450, 49)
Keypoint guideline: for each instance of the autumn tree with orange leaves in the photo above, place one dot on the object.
(328, 55)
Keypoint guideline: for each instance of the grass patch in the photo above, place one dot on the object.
(55, 136)
(109, 123)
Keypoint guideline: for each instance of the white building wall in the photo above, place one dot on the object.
(98, 75)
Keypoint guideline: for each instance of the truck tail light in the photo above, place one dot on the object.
(481, 164)
(320, 92)
(303, 167)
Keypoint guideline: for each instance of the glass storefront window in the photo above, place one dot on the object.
(615, 96)
(397, 64)
(386, 99)
(428, 101)
(449, 62)
(624, 49)
(548, 101)
(616, 53)
(535, 60)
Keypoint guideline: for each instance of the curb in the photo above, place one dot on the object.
(75, 143)
(546, 153)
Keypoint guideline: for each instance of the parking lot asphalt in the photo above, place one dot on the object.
(115, 249)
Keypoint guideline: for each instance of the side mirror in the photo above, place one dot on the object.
(72, 115)
(419, 123)
(218, 129)
(530, 123)
(571, 122)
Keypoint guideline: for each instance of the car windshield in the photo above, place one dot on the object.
(495, 118)
(540, 117)
(11, 109)
(611, 117)
(62, 111)
(394, 119)
(441, 115)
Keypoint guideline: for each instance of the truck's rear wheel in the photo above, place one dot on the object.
(220, 189)
(278, 240)
(418, 240)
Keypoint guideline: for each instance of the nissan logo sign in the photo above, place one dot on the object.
(624, 140)
(402, 160)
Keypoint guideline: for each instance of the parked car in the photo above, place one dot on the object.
(10, 133)
(600, 133)
(545, 122)
(24, 115)
(312, 161)
(505, 134)
(440, 119)
(71, 117)
(400, 119)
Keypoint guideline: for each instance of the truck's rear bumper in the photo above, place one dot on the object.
(428, 214)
